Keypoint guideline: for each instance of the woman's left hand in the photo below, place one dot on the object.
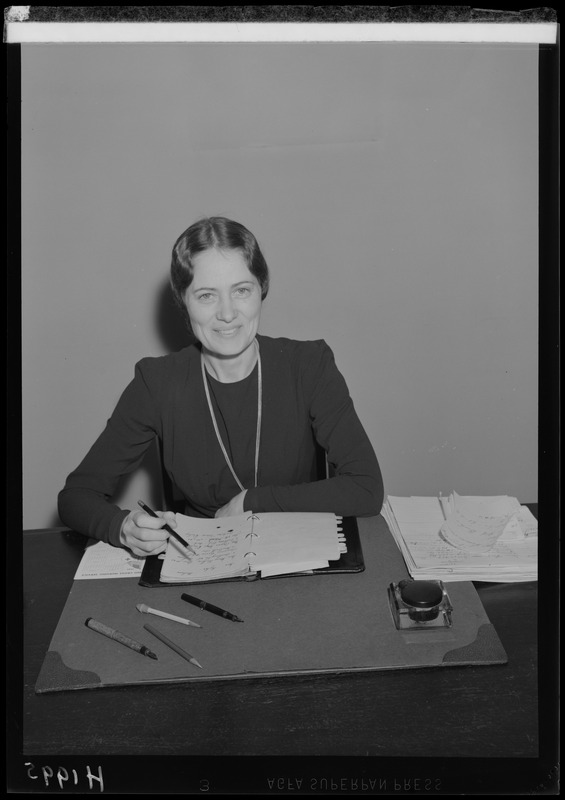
(234, 507)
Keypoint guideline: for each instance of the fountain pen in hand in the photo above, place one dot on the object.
(166, 527)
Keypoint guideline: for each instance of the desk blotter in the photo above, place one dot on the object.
(295, 625)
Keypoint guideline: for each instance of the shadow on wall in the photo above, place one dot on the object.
(169, 321)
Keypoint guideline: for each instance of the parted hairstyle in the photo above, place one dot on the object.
(214, 233)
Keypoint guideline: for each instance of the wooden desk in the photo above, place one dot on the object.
(478, 712)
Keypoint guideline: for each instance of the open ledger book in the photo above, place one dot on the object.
(249, 545)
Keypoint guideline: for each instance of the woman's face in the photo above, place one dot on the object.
(223, 302)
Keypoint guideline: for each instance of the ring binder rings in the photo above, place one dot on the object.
(350, 557)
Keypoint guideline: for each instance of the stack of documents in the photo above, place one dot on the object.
(457, 538)
(102, 560)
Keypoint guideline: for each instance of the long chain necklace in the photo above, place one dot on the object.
(259, 415)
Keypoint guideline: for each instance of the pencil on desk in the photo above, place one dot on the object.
(172, 645)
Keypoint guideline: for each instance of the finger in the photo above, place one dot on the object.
(148, 535)
(154, 548)
(142, 553)
(135, 533)
(147, 548)
(169, 516)
(143, 520)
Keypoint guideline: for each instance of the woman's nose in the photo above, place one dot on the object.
(226, 309)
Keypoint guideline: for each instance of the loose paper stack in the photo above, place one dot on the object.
(102, 560)
(458, 538)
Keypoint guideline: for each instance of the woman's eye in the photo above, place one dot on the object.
(206, 297)
(242, 291)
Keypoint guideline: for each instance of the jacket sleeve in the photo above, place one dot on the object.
(356, 485)
(85, 504)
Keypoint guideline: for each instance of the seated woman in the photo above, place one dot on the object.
(239, 416)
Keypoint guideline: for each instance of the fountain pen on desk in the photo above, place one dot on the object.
(204, 606)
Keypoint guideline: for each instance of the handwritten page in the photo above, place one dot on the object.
(417, 525)
(476, 523)
(220, 550)
(521, 525)
(101, 560)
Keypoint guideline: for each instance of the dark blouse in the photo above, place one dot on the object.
(235, 408)
(305, 401)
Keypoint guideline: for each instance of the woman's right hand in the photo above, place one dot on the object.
(143, 534)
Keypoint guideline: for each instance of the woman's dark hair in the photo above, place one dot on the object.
(219, 233)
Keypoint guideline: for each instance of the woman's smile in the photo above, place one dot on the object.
(228, 331)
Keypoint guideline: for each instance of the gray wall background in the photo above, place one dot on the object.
(392, 187)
